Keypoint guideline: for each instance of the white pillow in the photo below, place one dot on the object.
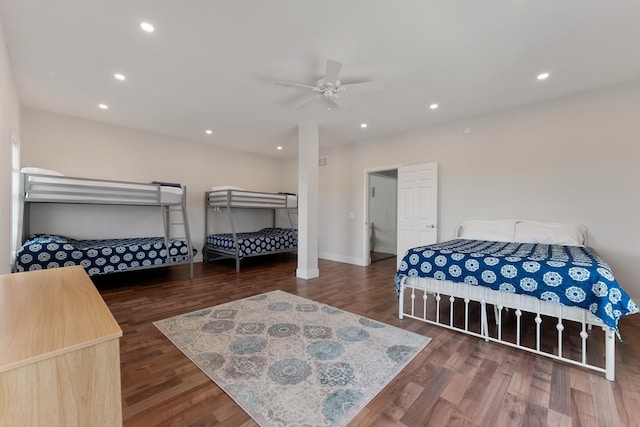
(499, 230)
(550, 233)
(40, 171)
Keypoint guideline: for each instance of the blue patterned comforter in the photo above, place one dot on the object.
(568, 275)
(265, 241)
(97, 256)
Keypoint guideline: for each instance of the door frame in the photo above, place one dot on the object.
(366, 249)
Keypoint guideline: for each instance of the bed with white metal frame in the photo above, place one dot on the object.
(435, 302)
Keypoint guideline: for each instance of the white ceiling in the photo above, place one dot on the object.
(211, 64)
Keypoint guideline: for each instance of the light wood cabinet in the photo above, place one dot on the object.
(59, 351)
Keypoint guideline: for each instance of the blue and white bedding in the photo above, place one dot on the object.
(265, 241)
(43, 251)
(569, 275)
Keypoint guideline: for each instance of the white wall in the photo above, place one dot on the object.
(9, 124)
(78, 147)
(570, 160)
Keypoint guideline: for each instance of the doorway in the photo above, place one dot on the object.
(408, 214)
(382, 224)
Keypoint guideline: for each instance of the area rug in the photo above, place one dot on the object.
(290, 361)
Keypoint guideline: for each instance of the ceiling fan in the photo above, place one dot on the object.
(330, 88)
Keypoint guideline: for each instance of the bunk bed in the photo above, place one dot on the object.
(40, 251)
(531, 273)
(240, 245)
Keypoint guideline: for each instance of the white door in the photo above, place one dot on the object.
(417, 206)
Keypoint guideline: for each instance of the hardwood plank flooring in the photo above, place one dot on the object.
(379, 256)
(456, 380)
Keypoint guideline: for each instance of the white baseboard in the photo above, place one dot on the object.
(342, 258)
(310, 273)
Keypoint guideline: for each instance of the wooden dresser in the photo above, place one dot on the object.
(59, 351)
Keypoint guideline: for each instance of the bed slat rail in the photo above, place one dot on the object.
(62, 189)
(247, 199)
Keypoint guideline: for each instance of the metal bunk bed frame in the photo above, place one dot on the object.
(38, 188)
(227, 199)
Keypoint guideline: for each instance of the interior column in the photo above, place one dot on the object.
(308, 137)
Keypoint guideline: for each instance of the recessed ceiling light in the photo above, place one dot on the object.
(434, 106)
(103, 106)
(543, 76)
(119, 76)
(363, 125)
(147, 27)
(279, 147)
(208, 131)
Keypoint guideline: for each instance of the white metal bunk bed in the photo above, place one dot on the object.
(105, 255)
(238, 245)
(444, 283)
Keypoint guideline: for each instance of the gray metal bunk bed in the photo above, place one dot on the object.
(265, 241)
(39, 251)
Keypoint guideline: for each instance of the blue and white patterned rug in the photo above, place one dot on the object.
(290, 361)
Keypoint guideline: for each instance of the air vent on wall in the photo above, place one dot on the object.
(323, 161)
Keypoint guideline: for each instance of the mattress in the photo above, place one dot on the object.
(265, 241)
(45, 188)
(43, 251)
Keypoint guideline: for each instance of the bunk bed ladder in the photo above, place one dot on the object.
(292, 213)
(235, 235)
(175, 217)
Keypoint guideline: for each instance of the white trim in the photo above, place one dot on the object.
(15, 212)
(307, 274)
(343, 259)
(365, 258)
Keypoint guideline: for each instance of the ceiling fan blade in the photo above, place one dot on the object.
(363, 87)
(294, 85)
(332, 103)
(308, 101)
(332, 72)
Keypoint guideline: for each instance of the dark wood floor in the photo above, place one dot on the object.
(456, 380)
(379, 256)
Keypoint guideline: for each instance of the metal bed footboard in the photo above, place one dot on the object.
(434, 302)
